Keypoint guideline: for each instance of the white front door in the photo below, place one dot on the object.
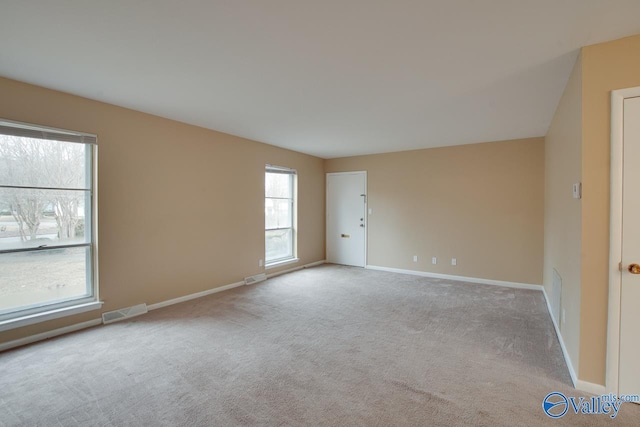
(346, 218)
(629, 375)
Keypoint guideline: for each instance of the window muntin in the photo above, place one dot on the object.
(279, 214)
(42, 217)
(47, 237)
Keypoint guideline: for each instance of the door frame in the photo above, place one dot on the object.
(366, 207)
(615, 235)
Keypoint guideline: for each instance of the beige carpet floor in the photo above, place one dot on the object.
(331, 345)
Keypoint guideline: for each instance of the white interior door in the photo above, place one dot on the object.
(629, 373)
(346, 218)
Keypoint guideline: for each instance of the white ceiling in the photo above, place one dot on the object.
(330, 78)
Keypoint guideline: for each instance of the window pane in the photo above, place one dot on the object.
(31, 218)
(278, 185)
(33, 162)
(42, 277)
(278, 244)
(277, 213)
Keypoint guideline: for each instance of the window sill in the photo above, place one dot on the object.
(31, 319)
(281, 263)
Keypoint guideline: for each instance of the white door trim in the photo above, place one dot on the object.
(366, 205)
(615, 234)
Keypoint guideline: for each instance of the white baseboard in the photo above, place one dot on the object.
(61, 331)
(300, 267)
(49, 334)
(222, 288)
(592, 388)
(96, 322)
(458, 278)
(578, 384)
(595, 389)
(565, 352)
(193, 296)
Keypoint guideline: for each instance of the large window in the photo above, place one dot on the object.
(47, 232)
(280, 215)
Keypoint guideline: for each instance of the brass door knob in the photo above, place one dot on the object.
(634, 268)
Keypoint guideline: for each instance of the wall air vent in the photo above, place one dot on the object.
(255, 279)
(124, 313)
(556, 295)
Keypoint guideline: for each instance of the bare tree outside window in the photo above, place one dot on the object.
(46, 255)
(21, 160)
(38, 163)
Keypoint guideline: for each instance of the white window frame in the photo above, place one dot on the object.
(28, 315)
(293, 258)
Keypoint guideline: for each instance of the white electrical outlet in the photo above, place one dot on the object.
(434, 260)
(454, 261)
(370, 211)
(259, 263)
(415, 258)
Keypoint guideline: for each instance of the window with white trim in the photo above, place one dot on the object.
(280, 214)
(47, 229)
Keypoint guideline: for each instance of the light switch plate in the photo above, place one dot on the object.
(577, 190)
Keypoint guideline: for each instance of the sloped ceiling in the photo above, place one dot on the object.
(329, 78)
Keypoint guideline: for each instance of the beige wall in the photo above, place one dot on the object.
(606, 67)
(181, 208)
(481, 204)
(562, 213)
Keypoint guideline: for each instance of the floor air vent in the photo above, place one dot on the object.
(125, 313)
(255, 279)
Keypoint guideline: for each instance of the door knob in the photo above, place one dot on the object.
(634, 269)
